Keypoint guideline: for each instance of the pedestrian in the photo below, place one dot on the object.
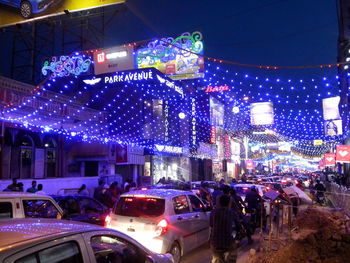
(223, 222)
(40, 190)
(205, 194)
(127, 185)
(233, 182)
(295, 201)
(32, 189)
(111, 195)
(217, 192)
(13, 186)
(98, 192)
(20, 187)
(83, 191)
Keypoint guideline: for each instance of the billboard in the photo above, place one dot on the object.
(18, 11)
(330, 108)
(113, 59)
(333, 127)
(261, 113)
(179, 58)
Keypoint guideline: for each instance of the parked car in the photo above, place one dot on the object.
(29, 7)
(24, 205)
(82, 208)
(243, 189)
(164, 220)
(57, 241)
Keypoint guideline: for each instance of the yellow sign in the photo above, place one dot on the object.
(318, 142)
(17, 11)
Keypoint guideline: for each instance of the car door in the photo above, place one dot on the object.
(106, 246)
(199, 220)
(67, 249)
(181, 222)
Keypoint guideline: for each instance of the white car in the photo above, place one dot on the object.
(56, 241)
(24, 205)
(163, 220)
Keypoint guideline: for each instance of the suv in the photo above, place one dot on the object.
(164, 220)
(29, 7)
(57, 241)
(23, 205)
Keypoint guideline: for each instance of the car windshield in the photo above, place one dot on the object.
(140, 206)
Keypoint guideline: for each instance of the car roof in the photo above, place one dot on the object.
(162, 193)
(21, 194)
(26, 231)
(249, 185)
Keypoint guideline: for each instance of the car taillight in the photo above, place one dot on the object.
(108, 221)
(162, 227)
(267, 188)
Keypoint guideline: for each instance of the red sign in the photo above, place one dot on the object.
(121, 153)
(321, 164)
(227, 145)
(249, 164)
(213, 134)
(218, 88)
(343, 154)
(329, 159)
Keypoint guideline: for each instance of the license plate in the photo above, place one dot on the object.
(130, 229)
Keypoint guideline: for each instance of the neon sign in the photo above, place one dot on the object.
(66, 65)
(137, 76)
(218, 88)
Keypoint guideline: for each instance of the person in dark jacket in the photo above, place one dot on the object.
(223, 222)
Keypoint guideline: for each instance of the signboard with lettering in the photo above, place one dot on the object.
(113, 59)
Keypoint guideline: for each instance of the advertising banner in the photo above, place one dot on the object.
(333, 127)
(329, 159)
(321, 164)
(249, 164)
(179, 58)
(261, 113)
(17, 11)
(113, 59)
(121, 154)
(330, 108)
(343, 154)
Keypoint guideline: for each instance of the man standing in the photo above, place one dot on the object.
(32, 189)
(222, 223)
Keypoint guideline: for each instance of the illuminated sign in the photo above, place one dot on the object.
(261, 113)
(318, 142)
(16, 11)
(132, 76)
(330, 108)
(213, 134)
(193, 123)
(168, 149)
(92, 81)
(180, 58)
(114, 59)
(64, 66)
(218, 88)
(171, 85)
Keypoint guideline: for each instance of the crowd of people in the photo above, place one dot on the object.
(110, 195)
(19, 187)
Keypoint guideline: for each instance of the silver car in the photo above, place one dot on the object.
(56, 241)
(163, 220)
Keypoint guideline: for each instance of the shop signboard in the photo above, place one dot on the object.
(249, 164)
(17, 11)
(330, 108)
(261, 113)
(113, 59)
(213, 135)
(121, 154)
(343, 154)
(329, 159)
(318, 142)
(179, 58)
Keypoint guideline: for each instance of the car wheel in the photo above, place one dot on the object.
(176, 252)
(26, 9)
